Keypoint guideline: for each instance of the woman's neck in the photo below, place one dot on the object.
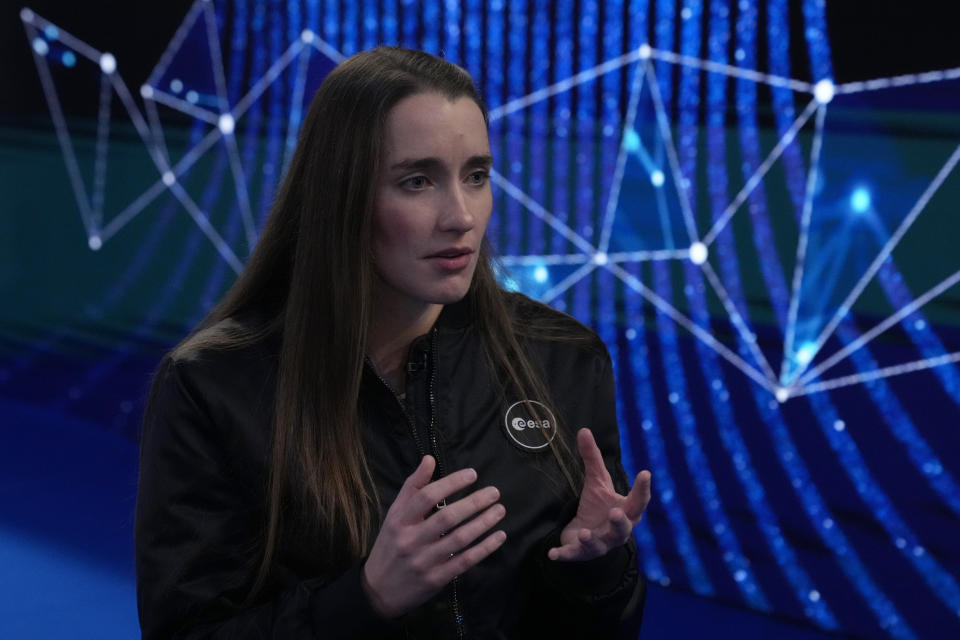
(392, 331)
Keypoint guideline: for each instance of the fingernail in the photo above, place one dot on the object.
(493, 493)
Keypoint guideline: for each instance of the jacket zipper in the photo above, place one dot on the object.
(435, 446)
(434, 449)
(403, 409)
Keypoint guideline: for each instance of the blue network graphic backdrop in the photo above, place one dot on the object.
(736, 229)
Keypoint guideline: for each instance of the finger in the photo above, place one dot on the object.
(639, 496)
(585, 547)
(422, 474)
(619, 530)
(463, 536)
(592, 458)
(448, 518)
(469, 558)
(437, 491)
(416, 480)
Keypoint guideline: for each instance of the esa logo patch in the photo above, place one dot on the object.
(529, 431)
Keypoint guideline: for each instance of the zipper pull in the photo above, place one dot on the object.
(413, 366)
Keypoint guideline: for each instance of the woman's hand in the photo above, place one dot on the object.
(604, 519)
(415, 556)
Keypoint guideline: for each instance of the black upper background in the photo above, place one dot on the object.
(868, 39)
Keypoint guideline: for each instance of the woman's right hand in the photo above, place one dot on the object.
(416, 554)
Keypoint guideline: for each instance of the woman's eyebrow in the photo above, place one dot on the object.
(425, 164)
(416, 164)
(483, 160)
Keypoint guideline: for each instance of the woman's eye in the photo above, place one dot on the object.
(478, 178)
(415, 183)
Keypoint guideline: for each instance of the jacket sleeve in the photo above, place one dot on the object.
(604, 597)
(197, 528)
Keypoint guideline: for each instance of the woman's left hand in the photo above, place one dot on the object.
(605, 519)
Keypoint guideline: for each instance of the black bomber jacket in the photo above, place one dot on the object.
(203, 476)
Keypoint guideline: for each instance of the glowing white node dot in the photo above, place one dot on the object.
(307, 36)
(782, 395)
(839, 425)
(698, 253)
(645, 51)
(40, 46)
(26, 15)
(146, 91)
(860, 200)
(226, 124)
(176, 85)
(686, 14)
(631, 334)
(169, 178)
(814, 596)
(600, 258)
(94, 242)
(824, 91)
(541, 275)
(805, 353)
(192, 97)
(108, 64)
(657, 178)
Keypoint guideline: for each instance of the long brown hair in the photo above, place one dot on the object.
(309, 279)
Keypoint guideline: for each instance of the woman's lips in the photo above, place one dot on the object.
(454, 260)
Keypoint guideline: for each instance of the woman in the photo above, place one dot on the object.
(367, 436)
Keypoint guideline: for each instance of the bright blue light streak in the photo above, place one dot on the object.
(940, 582)
(371, 18)
(689, 102)
(431, 26)
(650, 430)
(585, 128)
(348, 29)
(514, 142)
(924, 458)
(537, 153)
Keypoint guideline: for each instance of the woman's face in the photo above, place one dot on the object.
(432, 200)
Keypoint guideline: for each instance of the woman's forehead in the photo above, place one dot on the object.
(427, 124)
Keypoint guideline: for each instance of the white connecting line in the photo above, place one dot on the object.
(589, 257)
(798, 269)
